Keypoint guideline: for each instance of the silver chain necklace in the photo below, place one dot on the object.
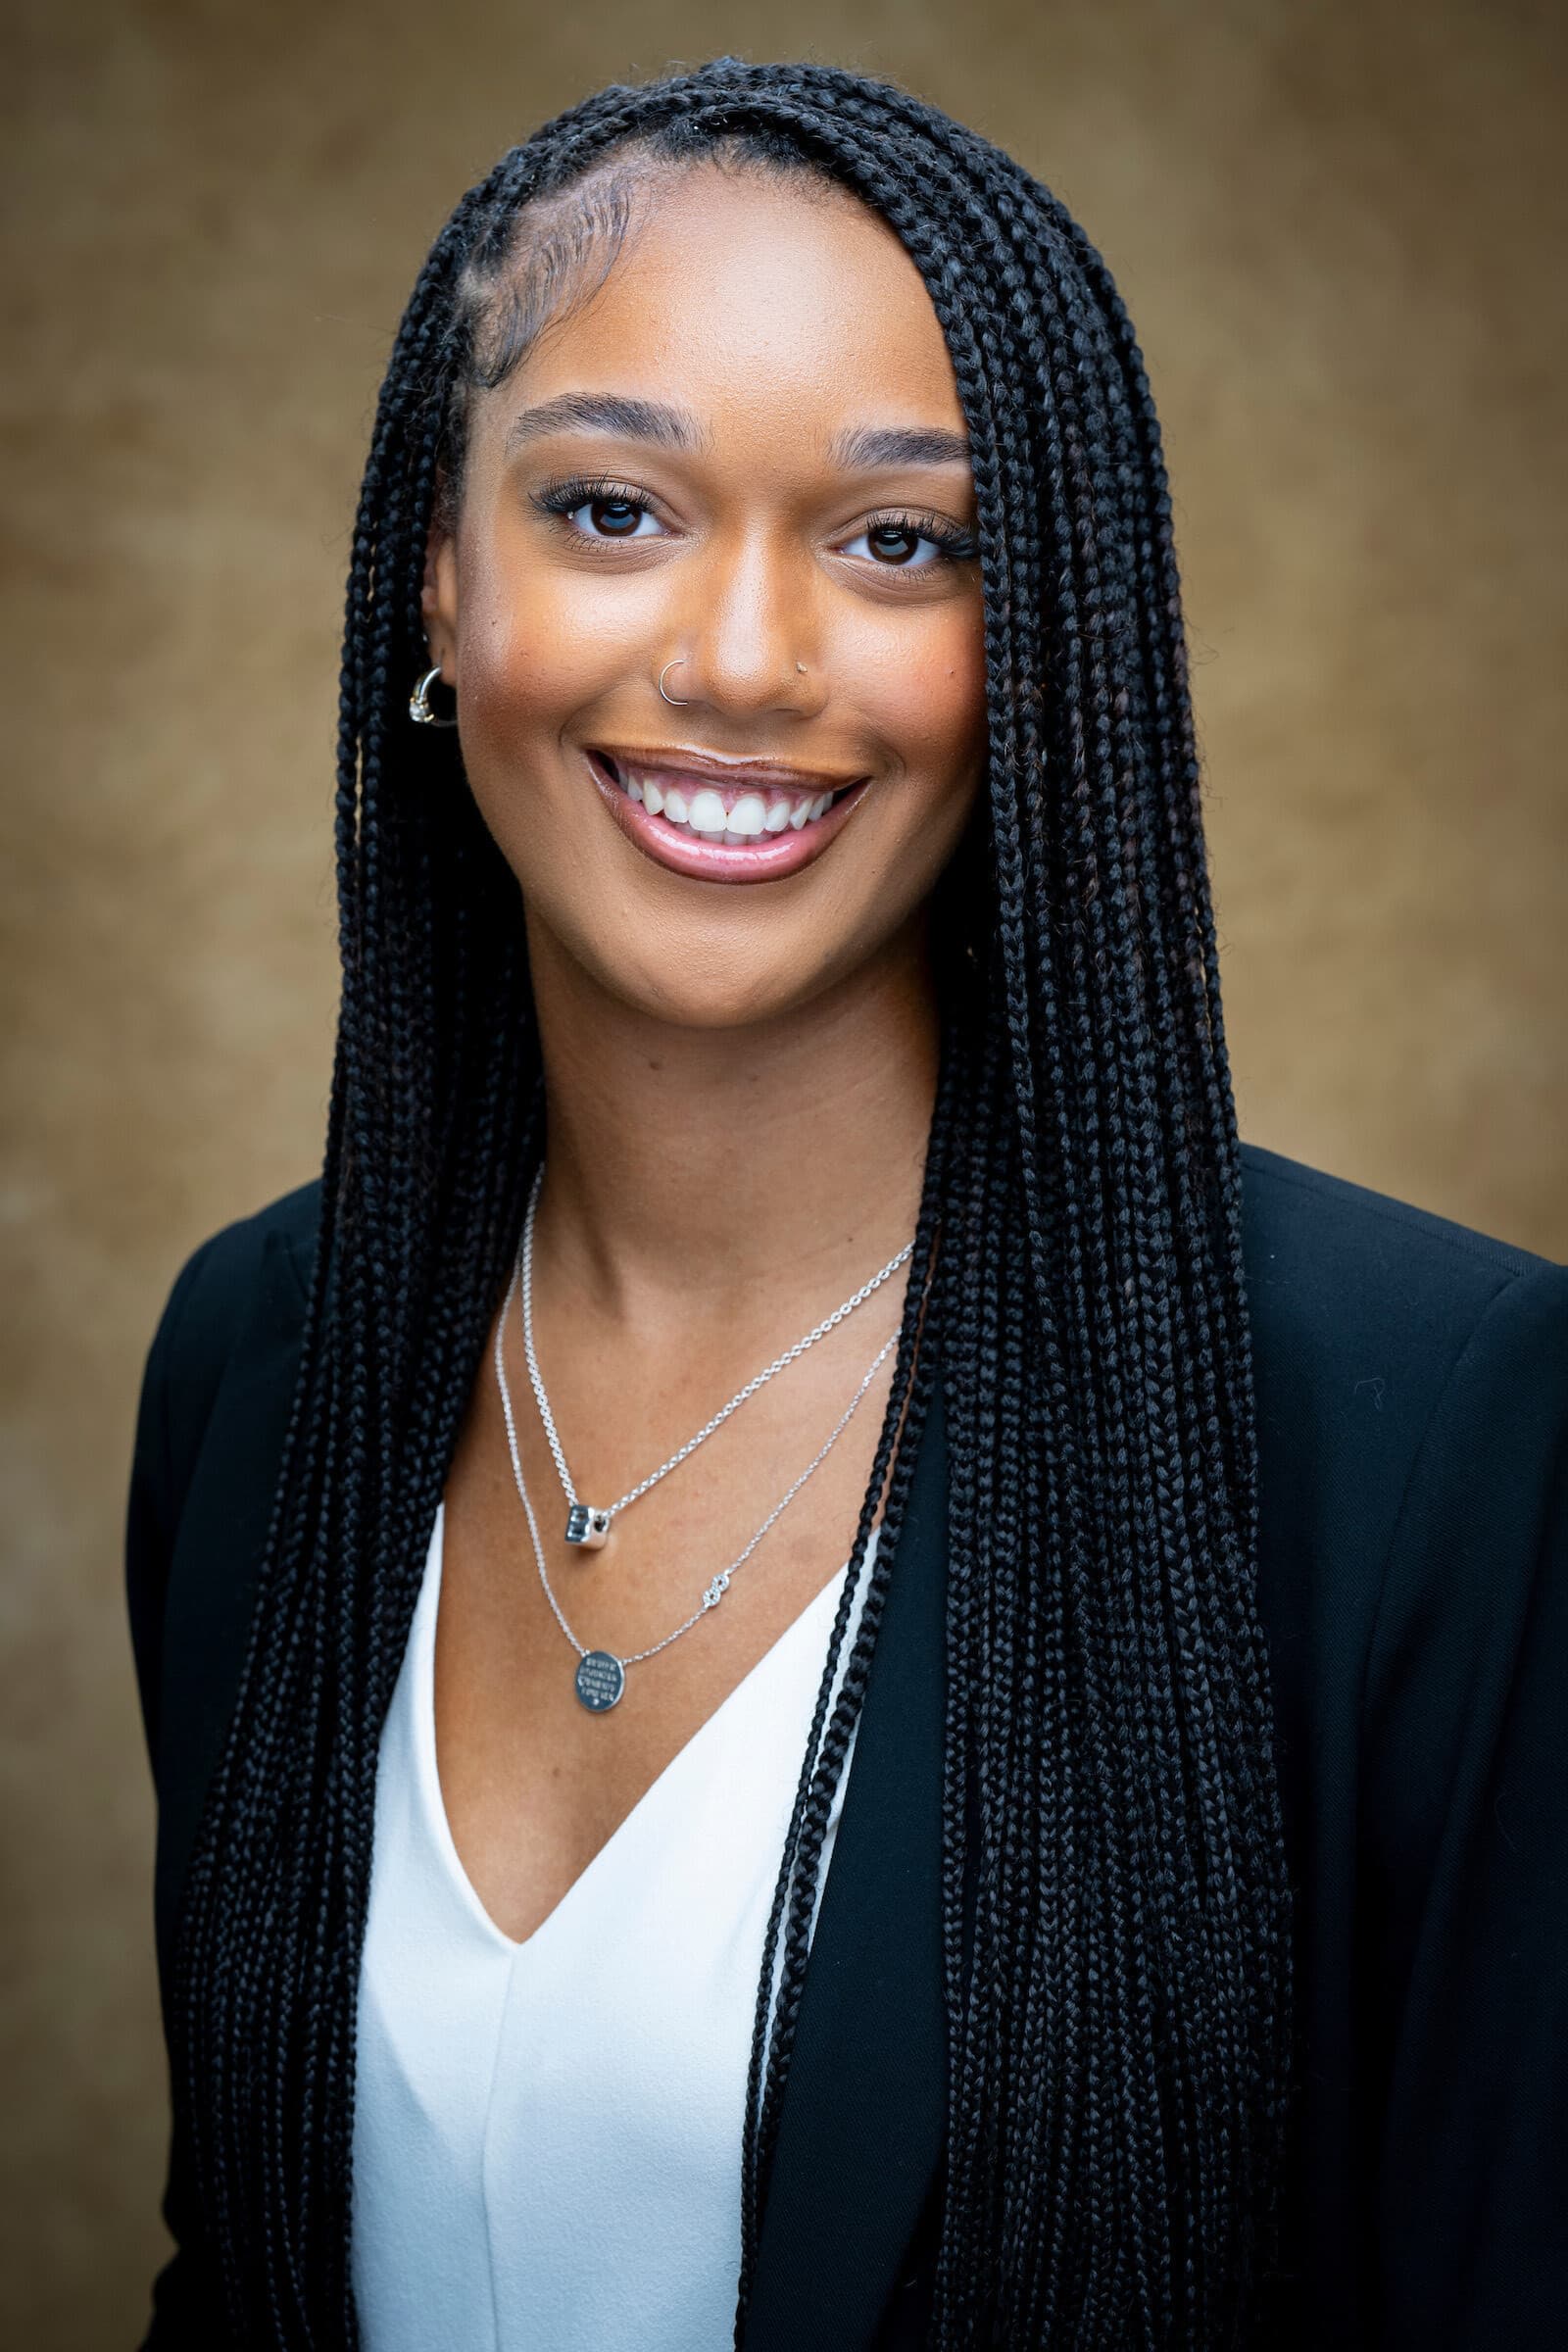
(601, 1675)
(587, 1525)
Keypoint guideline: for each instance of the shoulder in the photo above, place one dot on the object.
(241, 1290)
(1412, 1387)
(1412, 1377)
(1395, 1355)
(219, 1278)
(1316, 1241)
(214, 1395)
(215, 1289)
(1363, 1307)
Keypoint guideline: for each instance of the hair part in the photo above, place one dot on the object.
(1115, 1948)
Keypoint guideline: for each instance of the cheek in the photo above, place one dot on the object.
(536, 645)
(922, 692)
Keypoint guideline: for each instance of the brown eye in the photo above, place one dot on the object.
(912, 543)
(892, 543)
(615, 517)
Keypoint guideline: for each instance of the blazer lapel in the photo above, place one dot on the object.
(862, 2118)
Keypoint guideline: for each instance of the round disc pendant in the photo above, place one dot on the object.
(601, 1679)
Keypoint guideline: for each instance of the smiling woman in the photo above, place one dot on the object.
(741, 459)
(778, 973)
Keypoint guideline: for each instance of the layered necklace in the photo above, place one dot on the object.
(600, 1674)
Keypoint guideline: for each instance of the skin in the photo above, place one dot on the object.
(739, 1075)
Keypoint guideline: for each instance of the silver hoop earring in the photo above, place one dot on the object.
(679, 701)
(419, 707)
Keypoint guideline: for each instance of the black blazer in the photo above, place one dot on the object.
(1412, 1384)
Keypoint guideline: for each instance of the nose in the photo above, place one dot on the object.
(748, 635)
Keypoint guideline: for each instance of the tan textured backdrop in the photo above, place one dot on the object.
(1339, 228)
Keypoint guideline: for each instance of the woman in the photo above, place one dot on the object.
(788, 1364)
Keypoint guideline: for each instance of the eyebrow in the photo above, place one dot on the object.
(860, 449)
(870, 444)
(607, 413)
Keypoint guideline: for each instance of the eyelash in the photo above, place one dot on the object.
(559, 500)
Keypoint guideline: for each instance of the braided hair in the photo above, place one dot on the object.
(1116, 1951)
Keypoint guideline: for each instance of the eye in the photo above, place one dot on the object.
(612, 518)
(602, 510)
(910, 542)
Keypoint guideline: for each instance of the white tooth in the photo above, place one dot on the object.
(819, 804)
(748, 816)
(677, 806)
(777, 818)
(734, 841)
(799, 814)
(707, 812)
(634, 791)
(653, 800)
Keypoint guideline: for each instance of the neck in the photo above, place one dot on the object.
(722, 1169)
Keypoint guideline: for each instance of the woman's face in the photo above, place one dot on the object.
(740, 463)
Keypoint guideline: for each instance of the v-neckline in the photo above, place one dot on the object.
(422, 1645)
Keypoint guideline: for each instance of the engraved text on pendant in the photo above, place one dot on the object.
(601, 1679)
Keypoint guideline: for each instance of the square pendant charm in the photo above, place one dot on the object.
(587, 1528)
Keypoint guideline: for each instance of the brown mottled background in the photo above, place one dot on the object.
(1341, 230)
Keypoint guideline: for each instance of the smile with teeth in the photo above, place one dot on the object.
(732, 813)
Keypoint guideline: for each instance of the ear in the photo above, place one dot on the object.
(438, 593)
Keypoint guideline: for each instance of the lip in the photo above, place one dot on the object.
(681, 761)
(681, 852)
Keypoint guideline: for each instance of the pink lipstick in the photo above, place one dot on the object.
(723, 820)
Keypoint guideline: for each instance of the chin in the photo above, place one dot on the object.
(703, 957)
(711, 995)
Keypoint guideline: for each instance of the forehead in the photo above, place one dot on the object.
(748, 297)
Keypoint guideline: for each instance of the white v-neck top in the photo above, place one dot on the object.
(547, 2135)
